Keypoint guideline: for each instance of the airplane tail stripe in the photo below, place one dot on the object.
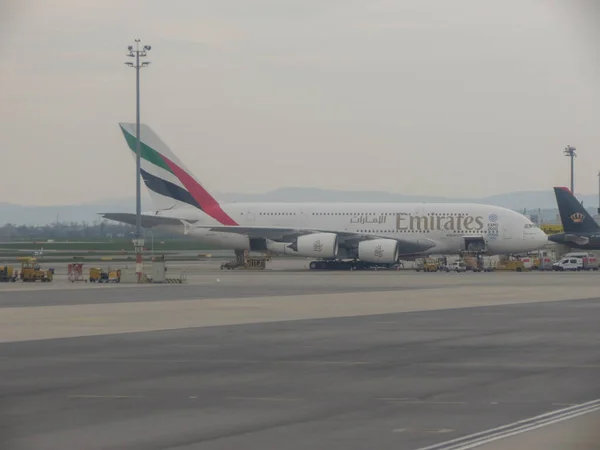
(209, 205)
(146, 152)
(168, 189)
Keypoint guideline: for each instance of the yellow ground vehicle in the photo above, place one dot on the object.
(114, 276)
(512, 265)
(31, 272)
(429, 265)
(99, 275)
(7, 274)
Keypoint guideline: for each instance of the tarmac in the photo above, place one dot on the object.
(293, 359)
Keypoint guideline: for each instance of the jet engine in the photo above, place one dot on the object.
(317, 245)
(384, 251)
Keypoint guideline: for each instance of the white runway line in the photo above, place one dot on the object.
(511, 429)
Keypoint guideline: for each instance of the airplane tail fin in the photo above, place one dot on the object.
(573, 215)
(170, 184)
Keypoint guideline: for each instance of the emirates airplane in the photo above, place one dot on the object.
(358, 233)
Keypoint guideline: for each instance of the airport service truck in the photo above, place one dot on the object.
(568, 262)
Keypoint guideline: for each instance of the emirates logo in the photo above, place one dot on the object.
(378, 253)
(577, 217)
(317, 246)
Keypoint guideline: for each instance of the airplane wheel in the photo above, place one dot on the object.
(313, 265)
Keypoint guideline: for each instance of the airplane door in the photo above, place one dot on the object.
(250, 216)
(302, 218)
(506, 232)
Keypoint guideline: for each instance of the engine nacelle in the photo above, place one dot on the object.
(384, 251)
(317, 245)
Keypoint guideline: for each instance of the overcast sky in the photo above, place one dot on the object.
(460, 98)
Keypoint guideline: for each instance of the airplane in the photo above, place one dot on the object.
(359, 234)
(580, 229)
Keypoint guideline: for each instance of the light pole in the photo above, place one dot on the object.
(598, 193)
(138, 242)
(570, 152)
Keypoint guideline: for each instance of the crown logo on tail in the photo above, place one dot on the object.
(577, 217)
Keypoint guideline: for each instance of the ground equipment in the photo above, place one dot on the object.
(31, 271)
(7, 274)
(100, 275)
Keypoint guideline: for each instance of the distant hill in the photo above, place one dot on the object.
(515, 200)
(528, 201)
(43, 215)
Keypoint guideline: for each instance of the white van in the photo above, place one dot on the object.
(590, 261)
(569, 263)
(456, 266)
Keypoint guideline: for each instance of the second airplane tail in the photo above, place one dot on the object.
(574, 217)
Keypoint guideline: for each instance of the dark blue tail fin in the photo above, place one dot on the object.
(574, 217)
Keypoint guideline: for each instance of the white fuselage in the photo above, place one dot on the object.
(449, 225)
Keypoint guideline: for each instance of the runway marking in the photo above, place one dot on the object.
(203, 361)
(267, 399)
(344, 363)
(316, 362)
(425, 402)
(102, 396)
(415, 430)
(409, 401)
(511, 366)
(511, 429)
(431, 402)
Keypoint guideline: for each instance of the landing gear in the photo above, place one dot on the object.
(244, 261)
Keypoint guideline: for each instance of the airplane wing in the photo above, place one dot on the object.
(279, 234)
(148, 221)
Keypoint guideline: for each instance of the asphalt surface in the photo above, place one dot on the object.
(215, 290)
(389, 381)
(208, 282)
